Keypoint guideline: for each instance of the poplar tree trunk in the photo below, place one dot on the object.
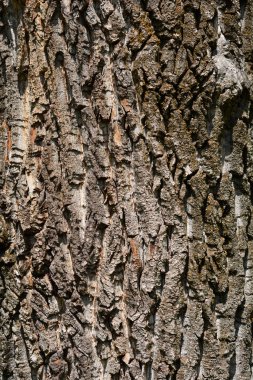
(126, 179)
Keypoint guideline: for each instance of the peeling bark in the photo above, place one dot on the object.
(126, 179)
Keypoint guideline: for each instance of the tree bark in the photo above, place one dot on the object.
(126, 179)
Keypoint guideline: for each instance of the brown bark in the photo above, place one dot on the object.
(126, 155)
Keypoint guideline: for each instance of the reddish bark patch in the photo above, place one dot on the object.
(135, 254)
(33, 134)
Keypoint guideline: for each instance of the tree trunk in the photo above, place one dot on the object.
(126, 176)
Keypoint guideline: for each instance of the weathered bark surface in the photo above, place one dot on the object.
(126, 175)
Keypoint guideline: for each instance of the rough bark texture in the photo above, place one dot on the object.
(126, 176)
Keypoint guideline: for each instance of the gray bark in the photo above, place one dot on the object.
(126, 179)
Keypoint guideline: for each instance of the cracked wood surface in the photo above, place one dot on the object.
(126, 179)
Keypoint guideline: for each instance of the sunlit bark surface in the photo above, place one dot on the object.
(126, 179)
